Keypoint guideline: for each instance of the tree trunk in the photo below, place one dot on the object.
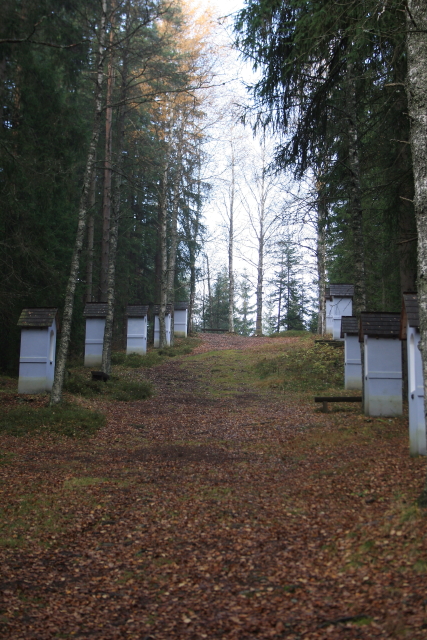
(355, 196)
(260, 278)
(90, 238)
(174, 236)
(114, 231)
(64, 342)
(106, 204)
(192, 234)
(231, 244)
(321, 260)
(163, 255)
(260, 265)
(416, 87)
(208, 275)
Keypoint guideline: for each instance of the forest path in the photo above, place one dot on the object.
(219, 508)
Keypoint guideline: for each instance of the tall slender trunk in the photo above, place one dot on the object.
(355, 195)
(171, 268)
(64, 342)
(231, 243)
(208, 275)
(321, 260)
(416, 88)
(90, 238)
(163, 254)
(192, 245)
(114, 231)
(279, 311)
(260, 278)
(261, 248)
(106, 203)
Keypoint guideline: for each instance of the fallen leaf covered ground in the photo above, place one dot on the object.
(219, 508)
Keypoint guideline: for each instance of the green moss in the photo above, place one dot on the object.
(115, 389)
(37, 514)
(304, 368)
(85, 481)
(67, 420)
(154, 357)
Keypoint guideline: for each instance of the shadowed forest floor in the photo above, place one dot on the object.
(224, 507)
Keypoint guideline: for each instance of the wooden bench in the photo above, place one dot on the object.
(326, 399)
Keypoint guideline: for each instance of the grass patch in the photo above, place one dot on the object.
(292, 333)
(114, 389)
(136, 360)
(181, 347)
(85, 481)
(6, 457)
(304, 368)
(67, 420)
(33, 517)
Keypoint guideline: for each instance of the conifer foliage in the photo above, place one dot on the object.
(102, 115)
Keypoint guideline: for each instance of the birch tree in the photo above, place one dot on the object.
(262, 205)
(416, 88)
(56, 394)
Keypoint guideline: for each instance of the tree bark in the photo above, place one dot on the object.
(208, 275)
(321, 260)
(261, 247)
(56, 394)
(163, 254)
(114, 231)
(260, 278)
(416, 88)
(359, 303)
(231, 243)
(90, 238)
(106, 203)
(192, 232)
(174, 235)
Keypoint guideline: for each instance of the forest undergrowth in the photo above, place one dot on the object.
(226, 505)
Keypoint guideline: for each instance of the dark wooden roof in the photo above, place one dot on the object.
(38, 317)
(342, 290)
(349, 325)
(379, 324)
(410, 313)
(327, 292)
(410, 300)
(180, 306)
(95, 310)
(136, 310)
(156, 309)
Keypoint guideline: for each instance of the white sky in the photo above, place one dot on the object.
(234, 73)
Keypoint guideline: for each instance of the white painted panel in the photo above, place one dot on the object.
(94, 341)
(157, 330)
(352, 363)
(340, 307)
(417, 423)
(383, 377)
(329, 317)
(180, 323)
(37, 359)
(137, 335)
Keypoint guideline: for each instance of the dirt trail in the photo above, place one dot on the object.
(217, 509)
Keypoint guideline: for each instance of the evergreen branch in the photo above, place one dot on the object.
(39, 42)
